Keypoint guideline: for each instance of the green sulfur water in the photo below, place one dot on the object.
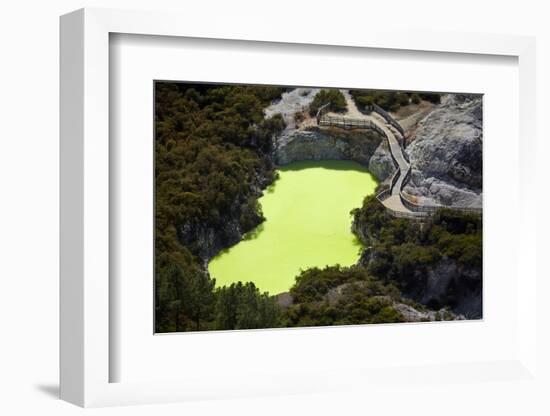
(308, 224)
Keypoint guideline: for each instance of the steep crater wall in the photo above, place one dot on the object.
(366, 147)
(445, 282)
(205, 240)
(446, 154)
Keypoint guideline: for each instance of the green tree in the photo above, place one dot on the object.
(170, 297)
(333, 97)
(201, 299)
(242, 306)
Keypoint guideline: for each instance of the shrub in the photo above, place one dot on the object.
(390, 100)
(361, 298)
(433, 97)
(212, 147)
(242, 306)
(334, 97)
(299, 117)
(403, 251)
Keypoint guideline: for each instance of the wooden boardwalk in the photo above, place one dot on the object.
(354, 119)
(397, 202)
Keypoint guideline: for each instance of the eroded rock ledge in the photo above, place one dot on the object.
(446, 154)
(411, 311)
(366, 147)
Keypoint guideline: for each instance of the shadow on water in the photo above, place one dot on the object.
(339, 165)
(345, 165)
(356, 242)
(271, 188)
(358, 245)
(253, 234)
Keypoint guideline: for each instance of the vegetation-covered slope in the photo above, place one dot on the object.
(339, 296)
(213, 157)
(334, 98)
(438, 262)
(391, 100)
(211, 160)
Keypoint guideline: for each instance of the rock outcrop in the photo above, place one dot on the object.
(450, 283)
(410, 313)
(366, 147)
(284, 300)
(443, 283)
(381, 164)
(446, 154)
(206, 240)
(292, 102)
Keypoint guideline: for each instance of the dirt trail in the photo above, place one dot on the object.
(353, 111)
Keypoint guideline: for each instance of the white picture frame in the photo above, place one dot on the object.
(84, 344)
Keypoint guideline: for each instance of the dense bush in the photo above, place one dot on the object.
(299, 117)
(242, 306)
(212, 154)
(361, 299)
(433, 97)
(212, 148)
(391, 100)
(323, 97)
(184, 297)
(402, 251)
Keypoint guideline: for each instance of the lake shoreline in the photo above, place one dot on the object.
(300, 237)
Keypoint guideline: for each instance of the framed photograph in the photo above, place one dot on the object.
(281, 207)
(279, 214)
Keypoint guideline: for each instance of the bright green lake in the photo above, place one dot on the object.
(308, 224)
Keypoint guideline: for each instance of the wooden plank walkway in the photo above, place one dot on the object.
(356, 119)
(398, 203)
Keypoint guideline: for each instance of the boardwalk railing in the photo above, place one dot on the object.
(408, 201)
(349, 123)
(416, 211)
(383, 195)
(386, 193)
(389, 119)
(412, 215)
(322, 110)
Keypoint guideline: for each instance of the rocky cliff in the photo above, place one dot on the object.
(366, 147)
(205, 240)
(450, 283)
(409, 310)
(292, 102)
(444, 283)
(446, 154)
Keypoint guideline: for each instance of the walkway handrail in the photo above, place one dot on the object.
(415, 210)
(321, 111)
(349, 123)
(382, 195)
(406, 198)
(387, 116)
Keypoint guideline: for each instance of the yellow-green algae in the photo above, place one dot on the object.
(307, 224)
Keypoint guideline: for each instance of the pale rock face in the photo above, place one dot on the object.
(410, 313)
(297, 145)
(414, 315)
(290, 103)
(381, 164)
(446, 154)
(366, 147)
